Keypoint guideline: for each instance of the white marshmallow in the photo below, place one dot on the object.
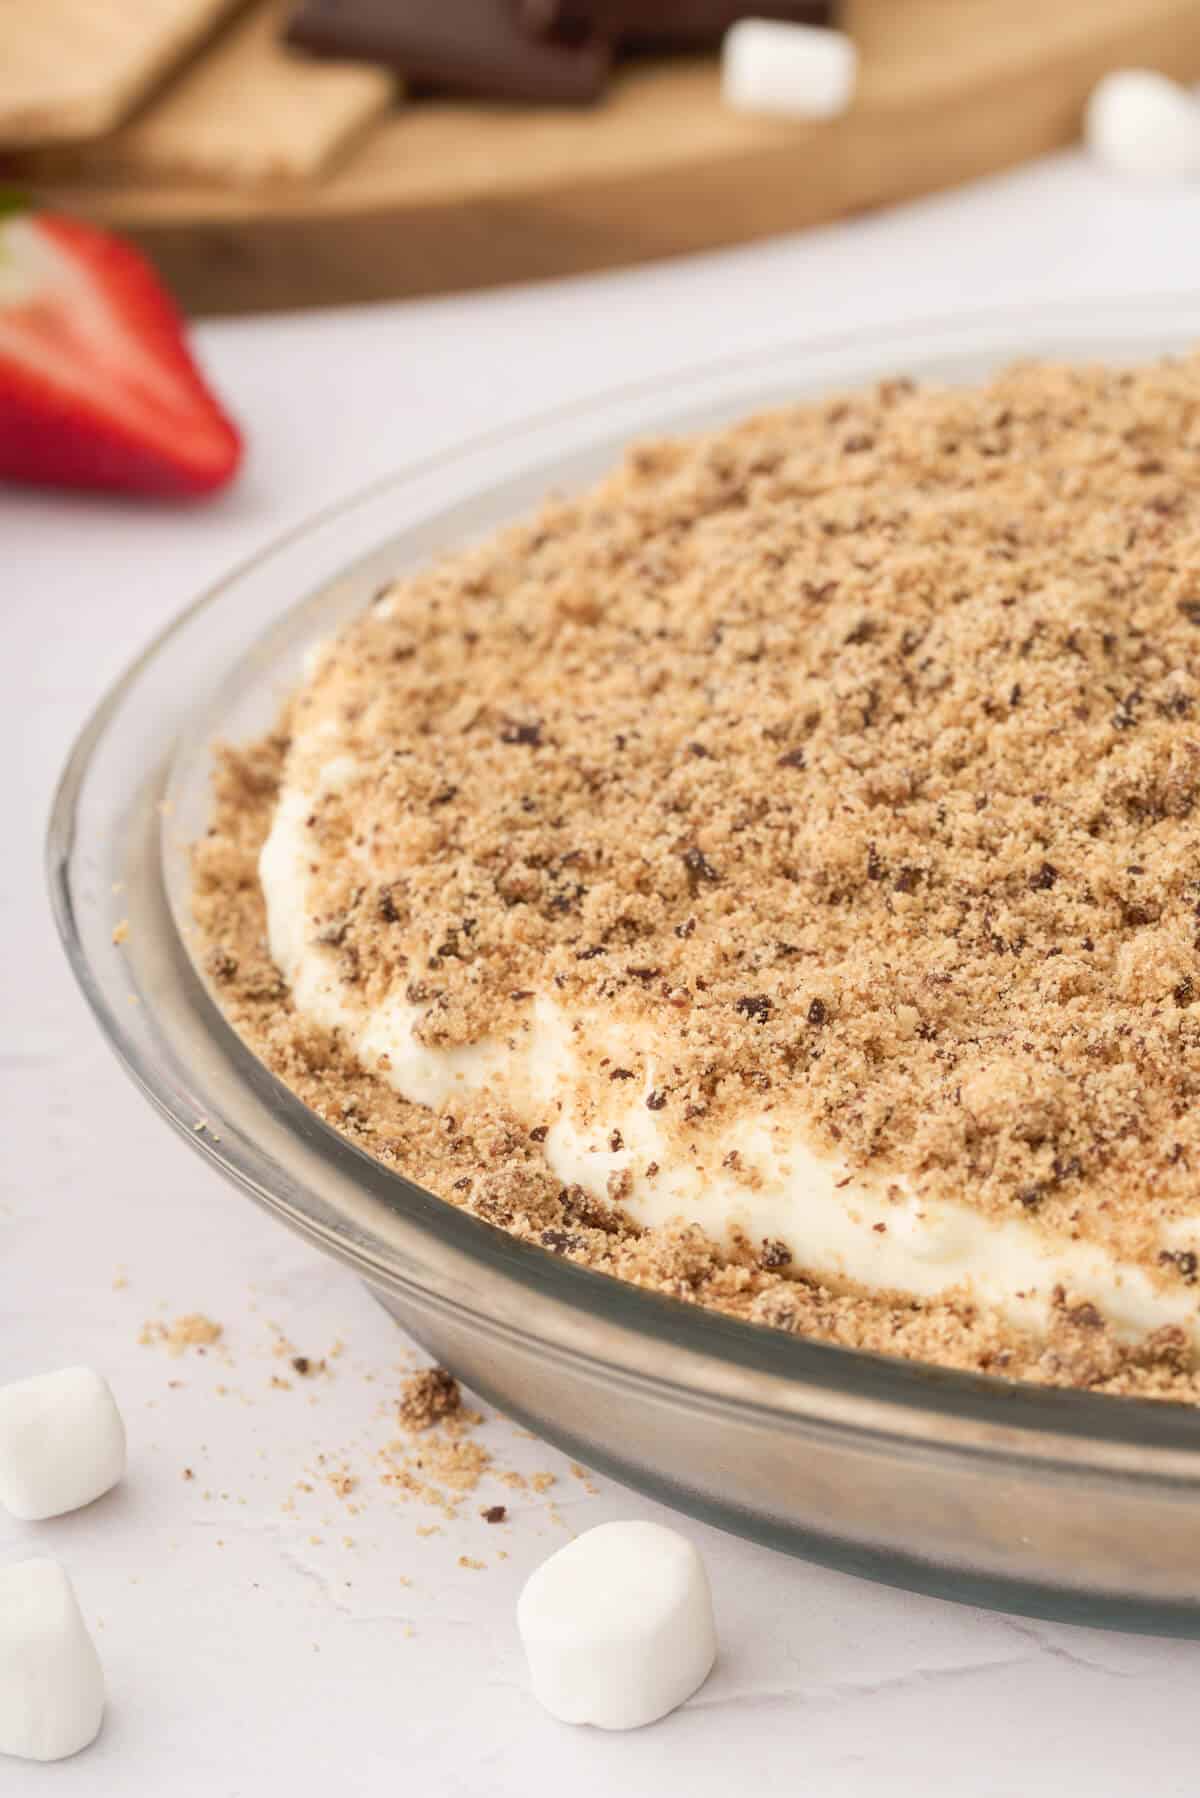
(1140, 123)
(62, 1442)
(802, 71)
(51, 1686)
(618, 1626)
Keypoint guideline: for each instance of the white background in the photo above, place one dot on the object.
(243, 1656)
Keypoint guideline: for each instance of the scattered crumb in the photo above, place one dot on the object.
(121, 932)
(193, 1330)
(428, 1396)
(444, 1465)
(542, 1482)
(469, 1561)
(495, 1514)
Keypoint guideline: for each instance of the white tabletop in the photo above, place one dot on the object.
(260, 1638)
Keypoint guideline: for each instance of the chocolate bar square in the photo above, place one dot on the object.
(458, 46)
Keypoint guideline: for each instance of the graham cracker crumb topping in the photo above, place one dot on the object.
(850, 756)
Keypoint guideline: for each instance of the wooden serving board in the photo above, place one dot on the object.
(441, 196)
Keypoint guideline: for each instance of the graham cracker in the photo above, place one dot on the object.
(72, 69)
(251, 110)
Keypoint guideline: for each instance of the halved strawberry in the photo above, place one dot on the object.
(97, 386)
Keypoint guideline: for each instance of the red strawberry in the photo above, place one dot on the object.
(97, 387)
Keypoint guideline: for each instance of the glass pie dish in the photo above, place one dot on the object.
(1059, 1502)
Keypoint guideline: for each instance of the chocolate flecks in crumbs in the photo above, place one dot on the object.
(938, 814)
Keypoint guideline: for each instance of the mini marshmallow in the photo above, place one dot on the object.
(62, 1442)
(618, 1626)
(51, 1686)
(799, 70)
(1140, 123)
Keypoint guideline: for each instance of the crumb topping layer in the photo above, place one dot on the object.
(850, 756)
(853, 751)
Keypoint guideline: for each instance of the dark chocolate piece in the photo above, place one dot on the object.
(457, 46)
(662, 24)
